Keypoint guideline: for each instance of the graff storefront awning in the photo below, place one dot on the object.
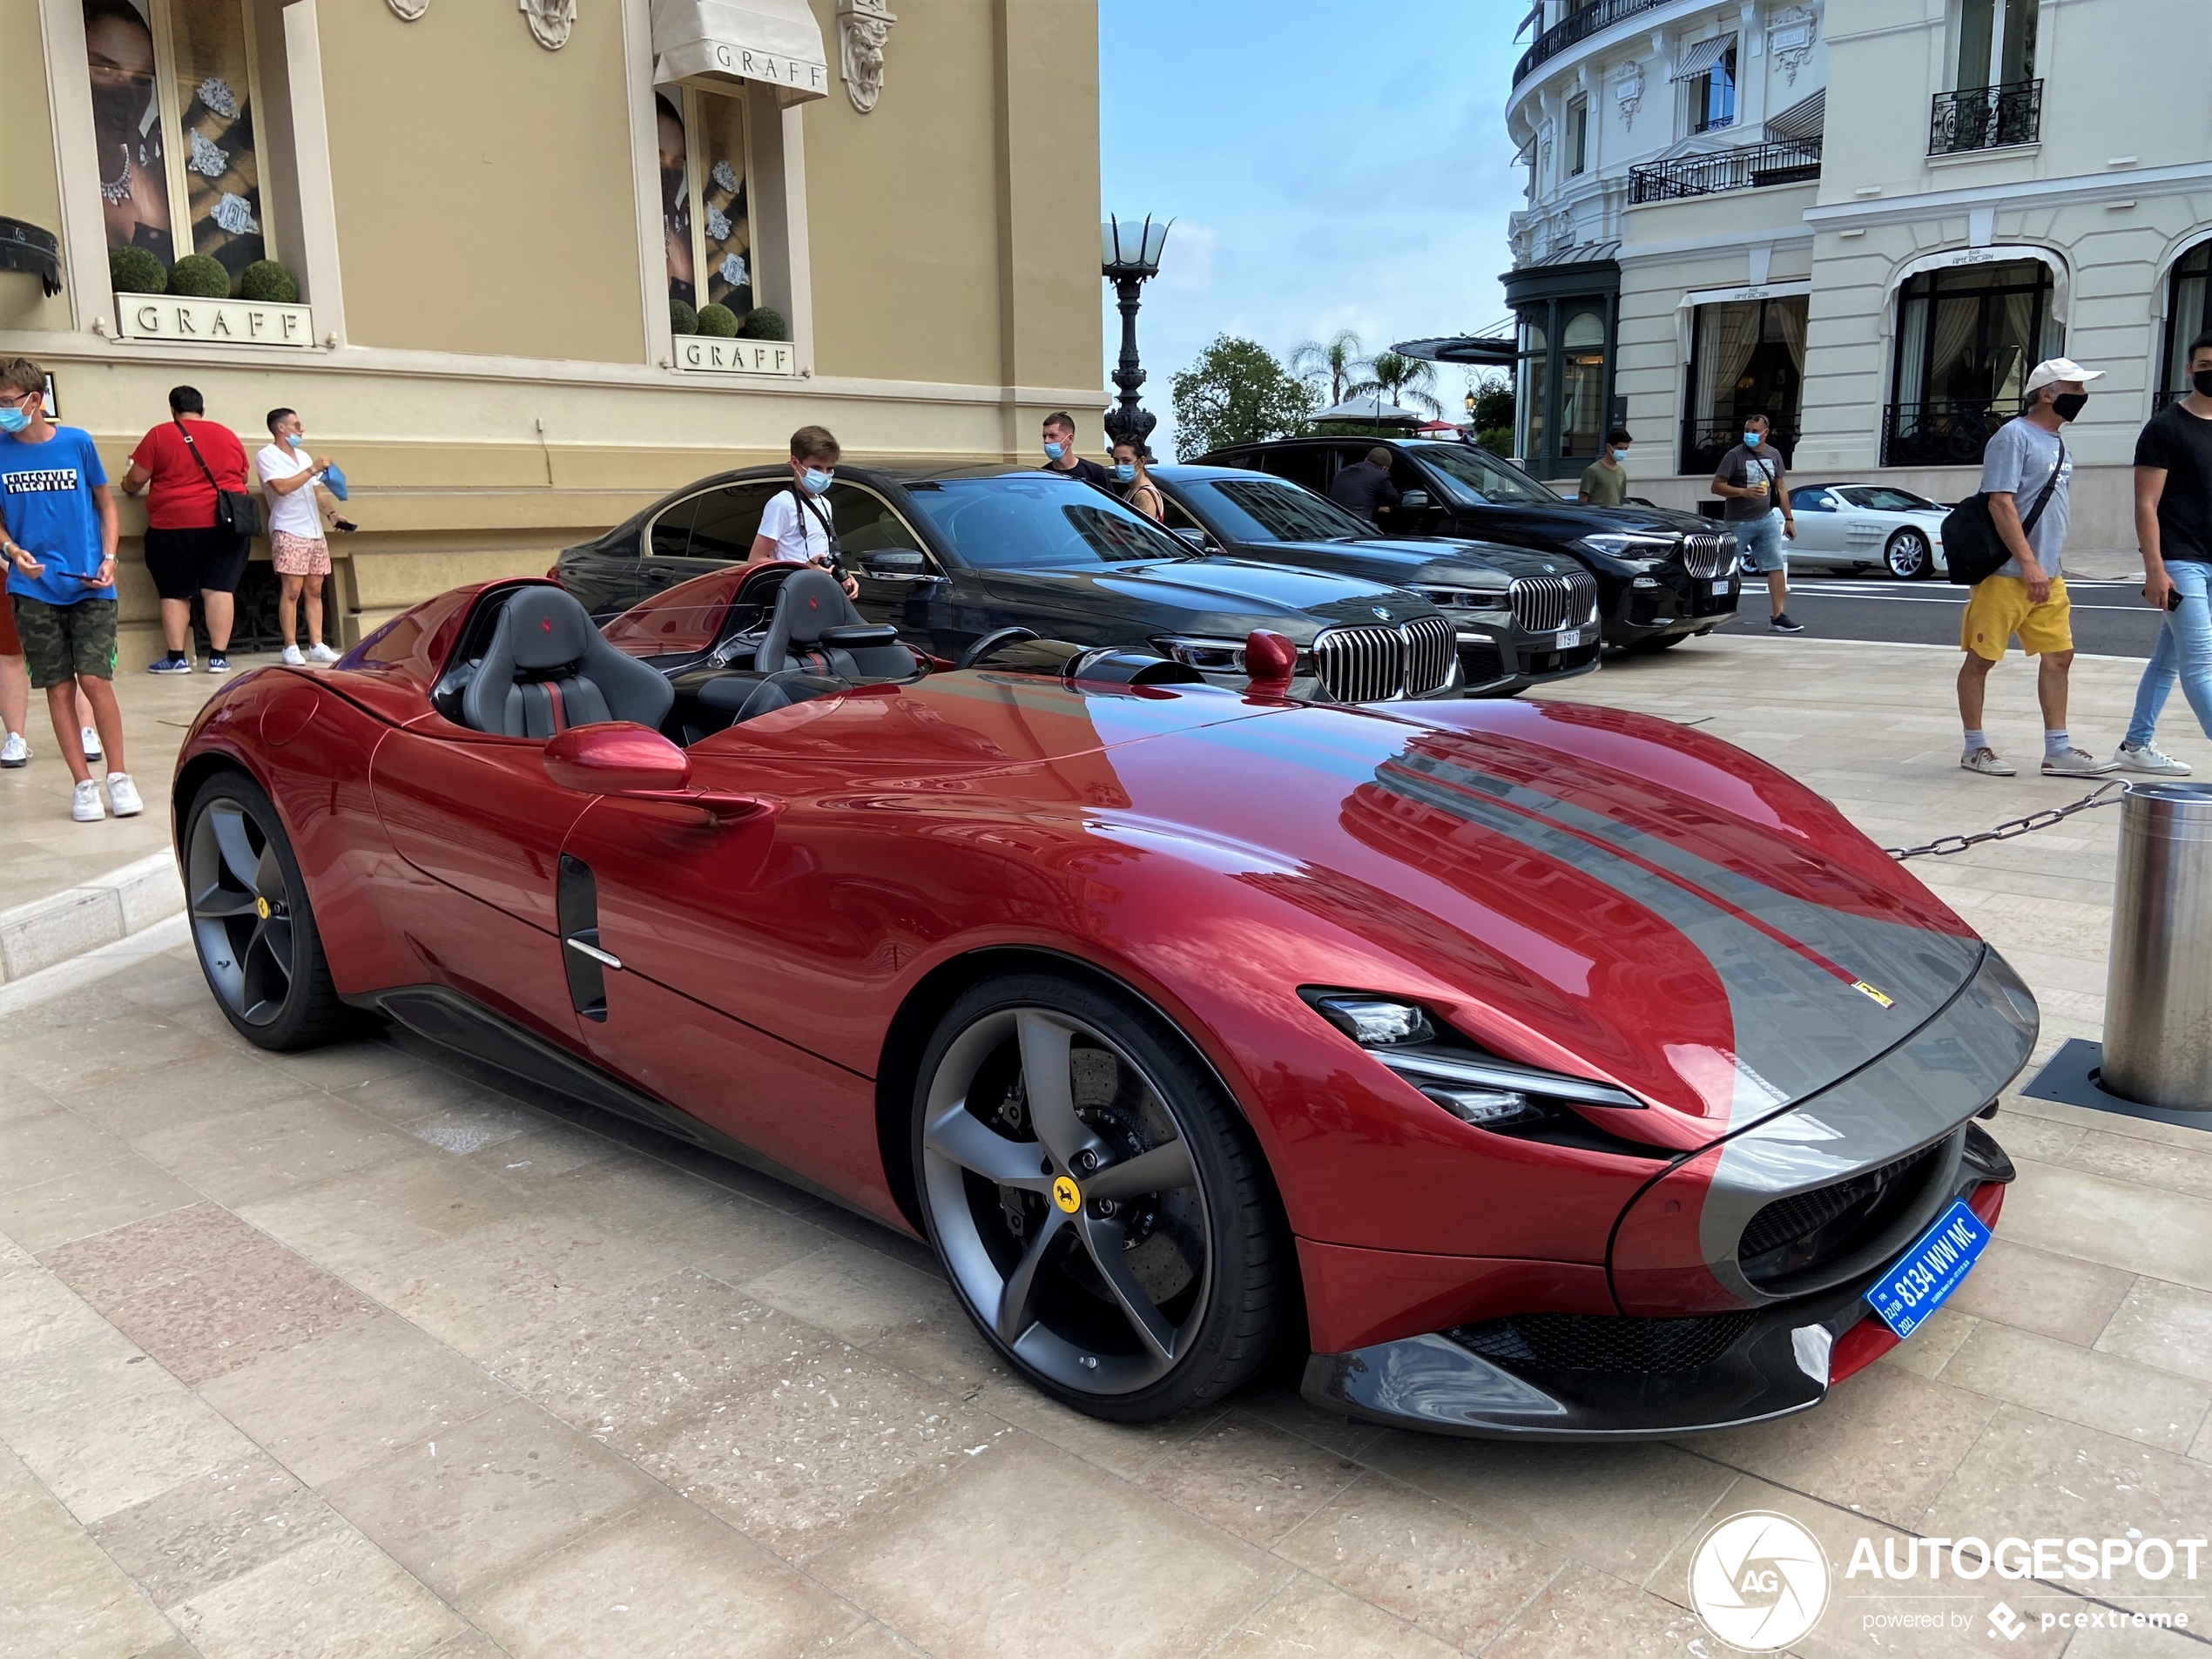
(774, 41)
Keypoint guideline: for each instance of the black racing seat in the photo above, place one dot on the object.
(815, 629)
(547, 669)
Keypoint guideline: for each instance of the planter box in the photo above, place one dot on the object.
(220, 323)
(711, 355)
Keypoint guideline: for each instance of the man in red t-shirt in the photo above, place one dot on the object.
(186, 459)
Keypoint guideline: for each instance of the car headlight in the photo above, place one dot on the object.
(1465, 598)
(1631, 548)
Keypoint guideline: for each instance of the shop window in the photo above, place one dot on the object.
(1531, 399)
(705, 217)
(1582, 386)
(173, 93)
(1578, 137)
(1746, 357)
(1712, 95)
(2188, 314)
(1966, 338)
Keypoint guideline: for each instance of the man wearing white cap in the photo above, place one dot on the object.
(2025, 472)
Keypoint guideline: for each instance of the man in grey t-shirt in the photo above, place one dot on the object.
(2027, 595)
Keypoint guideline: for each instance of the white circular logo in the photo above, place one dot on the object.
(1759, 1581)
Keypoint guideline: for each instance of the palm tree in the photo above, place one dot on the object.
(1410, 382)
(1337, 359)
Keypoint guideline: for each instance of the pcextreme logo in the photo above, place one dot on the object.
(1759, 1581)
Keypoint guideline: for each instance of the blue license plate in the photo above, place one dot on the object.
(1926, 1274)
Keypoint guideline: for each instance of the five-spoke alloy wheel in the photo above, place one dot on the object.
(251, 923)
(1097, 1202)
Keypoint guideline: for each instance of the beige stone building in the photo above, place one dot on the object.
(488, 207)
(1870, 217)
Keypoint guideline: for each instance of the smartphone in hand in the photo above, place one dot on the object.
(2173, 598)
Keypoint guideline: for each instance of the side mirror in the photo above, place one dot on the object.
(1270, 659)
(1196, 537)
(1414, 500)
(615, 758)
(897, 565)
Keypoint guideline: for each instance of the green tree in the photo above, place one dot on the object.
(1236, 393)
(1410, 382)
(1336, 358)
(1493, 410)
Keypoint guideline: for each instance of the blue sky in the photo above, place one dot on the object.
(1328, 166)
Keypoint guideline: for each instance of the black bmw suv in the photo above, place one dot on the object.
(1662, 576)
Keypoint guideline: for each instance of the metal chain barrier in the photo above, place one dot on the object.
(2101, 796)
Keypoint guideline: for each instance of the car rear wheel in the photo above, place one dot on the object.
(251, 923)
(1909, 557)
(1097, 1202)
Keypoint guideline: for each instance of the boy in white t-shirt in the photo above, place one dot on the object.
(289, 476)
(795, 526)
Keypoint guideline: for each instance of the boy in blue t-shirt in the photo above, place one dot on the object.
(58, 533)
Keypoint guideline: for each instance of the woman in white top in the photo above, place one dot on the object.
(795, 525)
(296, 543)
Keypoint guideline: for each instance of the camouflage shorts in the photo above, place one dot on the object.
(60, 642)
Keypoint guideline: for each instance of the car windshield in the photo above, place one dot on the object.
(1481, 479)
(1026, 521)
(1266, 509)
(1886, 498)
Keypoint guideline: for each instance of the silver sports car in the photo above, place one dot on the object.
(1858, 526)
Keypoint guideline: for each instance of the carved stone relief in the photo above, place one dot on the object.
(1790, 36)
(409, 11)
(1628, 92)
(550, 21)
(863, 27)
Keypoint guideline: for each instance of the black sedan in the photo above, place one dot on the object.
(1522, 618)
(1662, 576)
(952, 554)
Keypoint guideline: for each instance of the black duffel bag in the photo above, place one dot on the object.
(1972, 548)
(235, 510)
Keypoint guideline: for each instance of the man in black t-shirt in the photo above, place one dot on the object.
(1060, 455)
(2173, 528)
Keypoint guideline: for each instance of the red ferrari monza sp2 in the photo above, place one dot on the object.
(1549, 1071)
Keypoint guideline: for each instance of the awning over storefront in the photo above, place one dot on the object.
(774, 41)
(1804, 120)
(1702, 55)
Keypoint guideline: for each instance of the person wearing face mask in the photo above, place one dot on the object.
(2026, 461)
(1134, 485)
(1605, 481)
(1756, 507)
(1060, 455)
(2174, 529)
(297, 547)
(795, 527)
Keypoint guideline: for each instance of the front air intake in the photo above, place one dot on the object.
(1599, 1342)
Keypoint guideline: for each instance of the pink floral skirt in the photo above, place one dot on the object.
(298, 555)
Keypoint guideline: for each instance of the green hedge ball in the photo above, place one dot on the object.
(268, 283)
(765, 322)
(136, 270)
(682, 319)
(718, 321)
(199, 277)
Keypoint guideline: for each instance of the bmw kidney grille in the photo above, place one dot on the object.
(1377, 664)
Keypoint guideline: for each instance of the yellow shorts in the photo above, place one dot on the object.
(1999, 609)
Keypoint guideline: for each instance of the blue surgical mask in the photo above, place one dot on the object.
(1054, 451)
(1124, 472)
(815, 480)
(14, 420)
(1751, 440)
(1619, 456)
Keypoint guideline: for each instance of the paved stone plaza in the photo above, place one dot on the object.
(358, 1352)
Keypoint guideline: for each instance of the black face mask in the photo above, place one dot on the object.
(2067, 405)
(2202, 380)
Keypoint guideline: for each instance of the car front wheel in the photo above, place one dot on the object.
(1098, 1204)
(1909, 557)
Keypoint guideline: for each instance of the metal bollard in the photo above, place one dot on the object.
(2158, 988)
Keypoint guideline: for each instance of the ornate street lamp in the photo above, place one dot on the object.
(1129, 257)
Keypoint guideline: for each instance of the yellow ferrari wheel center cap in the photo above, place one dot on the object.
(1066, 1194)
(261, 909)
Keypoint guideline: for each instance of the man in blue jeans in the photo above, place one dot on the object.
(2174, 527)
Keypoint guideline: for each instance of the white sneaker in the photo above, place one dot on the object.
(291, 659)
(122, 795)
(15, 751)
(1990, 764)
(91, 740)
(2077, 763)
(319, 652)
(2145, 759)
(84, 806)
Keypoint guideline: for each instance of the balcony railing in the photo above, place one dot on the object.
(1986, 117)
(1941, 432)
(1703, 444)
(1747, 167)
(1579, 25)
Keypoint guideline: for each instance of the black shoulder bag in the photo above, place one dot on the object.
(1972, 550)
(235, 510)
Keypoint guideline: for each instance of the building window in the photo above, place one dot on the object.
(1531, 399)
(1712, 95)
(1578, 136)
(1996, 43)
(705, 220)
(1746, 357)
(2188, 314)
(1564, 401)
(173, 84)
(1581, 384)
(1966, 338)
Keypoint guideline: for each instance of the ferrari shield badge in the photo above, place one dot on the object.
(1864, 989)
